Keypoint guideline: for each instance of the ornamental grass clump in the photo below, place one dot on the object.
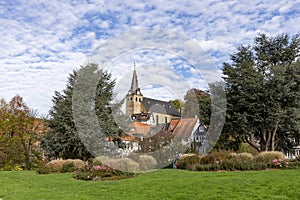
(147, 163)
(59, 166)
(267, 157)
(123, 164)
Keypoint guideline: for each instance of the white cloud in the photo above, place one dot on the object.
(42, 42)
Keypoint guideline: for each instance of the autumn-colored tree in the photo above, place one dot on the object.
(19, 134)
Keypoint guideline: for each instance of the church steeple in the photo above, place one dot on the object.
(134, 88)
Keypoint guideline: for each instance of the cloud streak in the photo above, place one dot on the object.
(42, 42)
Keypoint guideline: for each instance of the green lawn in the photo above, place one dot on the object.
(161, 184)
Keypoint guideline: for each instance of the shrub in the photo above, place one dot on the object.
(44, 169)
(123, 164)
(294, 165)
(59, 166)
(245, 156)
(246, 148)
(95, 170)
(188, 161)
(147, 163)
(215, 157)
(267, 157)
(68, 167)
(280, 163)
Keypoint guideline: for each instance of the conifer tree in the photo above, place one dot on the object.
(63, 140)
(263, 95)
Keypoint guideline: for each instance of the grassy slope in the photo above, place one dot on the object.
(161, 184)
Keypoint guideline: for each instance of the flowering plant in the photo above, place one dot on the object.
(95, 170)
(279, 163)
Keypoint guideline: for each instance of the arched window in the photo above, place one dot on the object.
(136, 99)
(156, 119)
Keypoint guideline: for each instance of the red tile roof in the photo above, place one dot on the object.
(184, 127)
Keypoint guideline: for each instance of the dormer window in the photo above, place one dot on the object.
(201, 129)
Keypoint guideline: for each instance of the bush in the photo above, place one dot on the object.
(215, 157)
(68, 167)
(59, 166)
(95, 170)
(123, 164)
(245, 156)
(188, 161)
(246, 148)
(267, 157)
(246, 161)
(147, 163)
(294, 165)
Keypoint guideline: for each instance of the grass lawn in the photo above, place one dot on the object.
(161, 184)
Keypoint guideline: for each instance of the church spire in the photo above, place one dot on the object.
(134, 89)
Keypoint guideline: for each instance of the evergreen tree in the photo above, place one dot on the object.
(63, 140)
(262, 85)
(197, 103)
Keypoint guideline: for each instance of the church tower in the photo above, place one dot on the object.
(134, 98)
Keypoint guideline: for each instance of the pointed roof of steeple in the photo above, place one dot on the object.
(134, 89)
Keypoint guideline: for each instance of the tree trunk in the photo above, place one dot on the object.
(268, 135)
(273, 139)
(252, 145)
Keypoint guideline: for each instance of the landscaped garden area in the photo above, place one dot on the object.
(218, 175)
(160, 184)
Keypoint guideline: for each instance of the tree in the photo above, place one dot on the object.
(63, 140)
(197, 103)
(177, 103)
(20, 131)
(262, 85)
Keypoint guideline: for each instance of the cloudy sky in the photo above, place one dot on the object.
(43, 41)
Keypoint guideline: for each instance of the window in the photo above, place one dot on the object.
(201, 129)
(166, 119)
(156, 119)
(136, 99)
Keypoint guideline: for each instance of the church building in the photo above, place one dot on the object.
(148, 110)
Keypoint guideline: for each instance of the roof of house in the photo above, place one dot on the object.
(185, 127)
(140, 128)
(158, 106)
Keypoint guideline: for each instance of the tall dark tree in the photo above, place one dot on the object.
(63, 140)
(263, 95)
(197, 103)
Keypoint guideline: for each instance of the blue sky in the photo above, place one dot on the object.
(43, 41)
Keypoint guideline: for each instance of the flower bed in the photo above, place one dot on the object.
(95, 170)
